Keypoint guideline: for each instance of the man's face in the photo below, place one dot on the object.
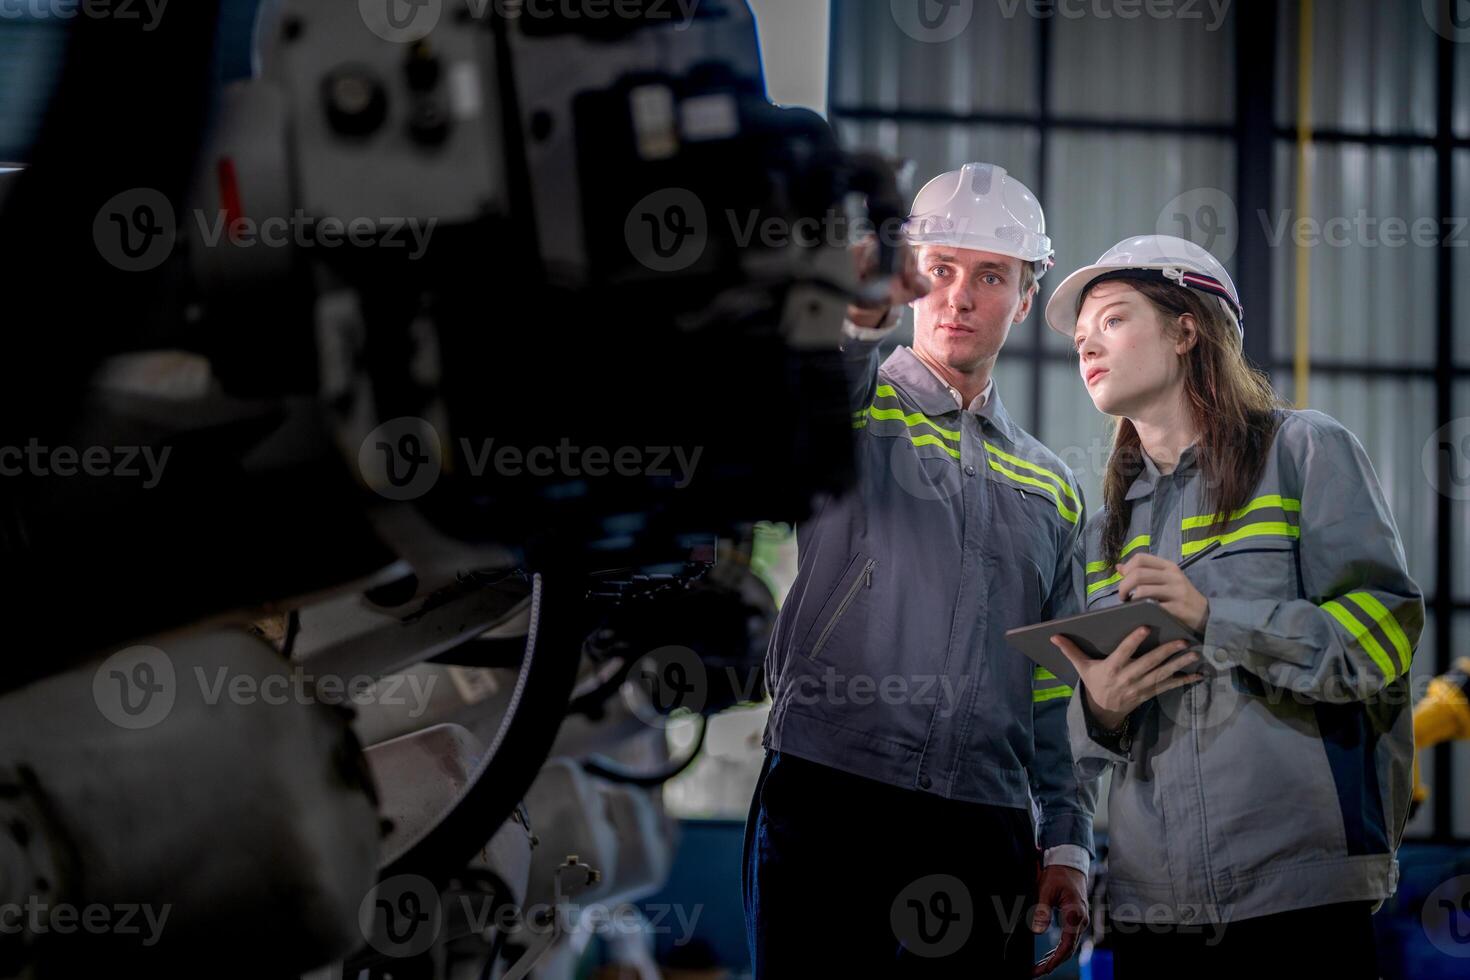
(965, 319)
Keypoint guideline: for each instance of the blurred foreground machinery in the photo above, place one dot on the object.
(460, 384)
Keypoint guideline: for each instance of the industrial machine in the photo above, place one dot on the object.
(382, 446)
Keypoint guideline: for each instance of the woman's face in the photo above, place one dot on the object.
(1127, 360)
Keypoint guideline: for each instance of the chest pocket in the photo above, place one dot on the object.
(1257, 570)
(1258, 553)
(1035, 508)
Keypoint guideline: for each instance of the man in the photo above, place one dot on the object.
(891, 831)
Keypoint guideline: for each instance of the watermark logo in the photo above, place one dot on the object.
(932, 21)
(1446, 459)
(135, 688)
(1449, 18)
(401, 916)
(1446, 917)
(1204, 704)
(401, 459)
(924, 477)
(671, 678)
(934, 916)
(135, 231)
(668, 230)
(1205, 216)
(401, 21)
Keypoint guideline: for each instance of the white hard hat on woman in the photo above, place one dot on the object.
(1160, 257)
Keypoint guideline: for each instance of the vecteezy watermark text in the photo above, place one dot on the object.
(34, 459)
(149, 12)
(410, 21)
(305, 231)
(37, 917)
(137, 688)
(566, 459)
(138, 230)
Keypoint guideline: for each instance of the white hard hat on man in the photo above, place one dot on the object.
(983, 208)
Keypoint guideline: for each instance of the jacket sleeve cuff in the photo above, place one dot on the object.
(1089, 744)
(1069, 856)
(1068, 827)
(888, 324)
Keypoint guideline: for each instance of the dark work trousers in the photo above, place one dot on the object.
(1326, 941)
(851, 877)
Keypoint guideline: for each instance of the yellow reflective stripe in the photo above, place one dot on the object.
(1095, 586)
(911, 420)
(1142, 541)
(1361, 634)
(1026, 465)
(1266, 529)
(1270, 500)
(1050, 694)
(1070, 515)
(934, 441)
(1369, 604)
(1042, 674)
(861, 423)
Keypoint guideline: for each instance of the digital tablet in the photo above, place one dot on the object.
(1098, 634)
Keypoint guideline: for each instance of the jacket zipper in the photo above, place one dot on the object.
(865, 579)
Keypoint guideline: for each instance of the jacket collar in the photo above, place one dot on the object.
(932, 397)
(1148, 480)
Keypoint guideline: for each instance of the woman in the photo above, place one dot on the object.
(1260, 783)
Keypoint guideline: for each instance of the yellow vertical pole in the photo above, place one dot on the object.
(1303, 357)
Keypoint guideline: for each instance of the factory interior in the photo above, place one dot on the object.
(456, 454)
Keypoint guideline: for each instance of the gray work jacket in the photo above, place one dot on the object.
(1282, 781)
(888, 659)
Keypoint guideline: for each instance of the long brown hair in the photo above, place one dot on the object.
(1233, 406)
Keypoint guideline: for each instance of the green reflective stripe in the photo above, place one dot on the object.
(1095, 586)
(1050, 694)
(1142, 541)
(1360, 633)
(1026, 465)
(1268, 529)
(1042, 674)
(861, 423)
(1069, 515)
(927, 440)
(912, 419)
(1387, 622)
(1270, 500)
